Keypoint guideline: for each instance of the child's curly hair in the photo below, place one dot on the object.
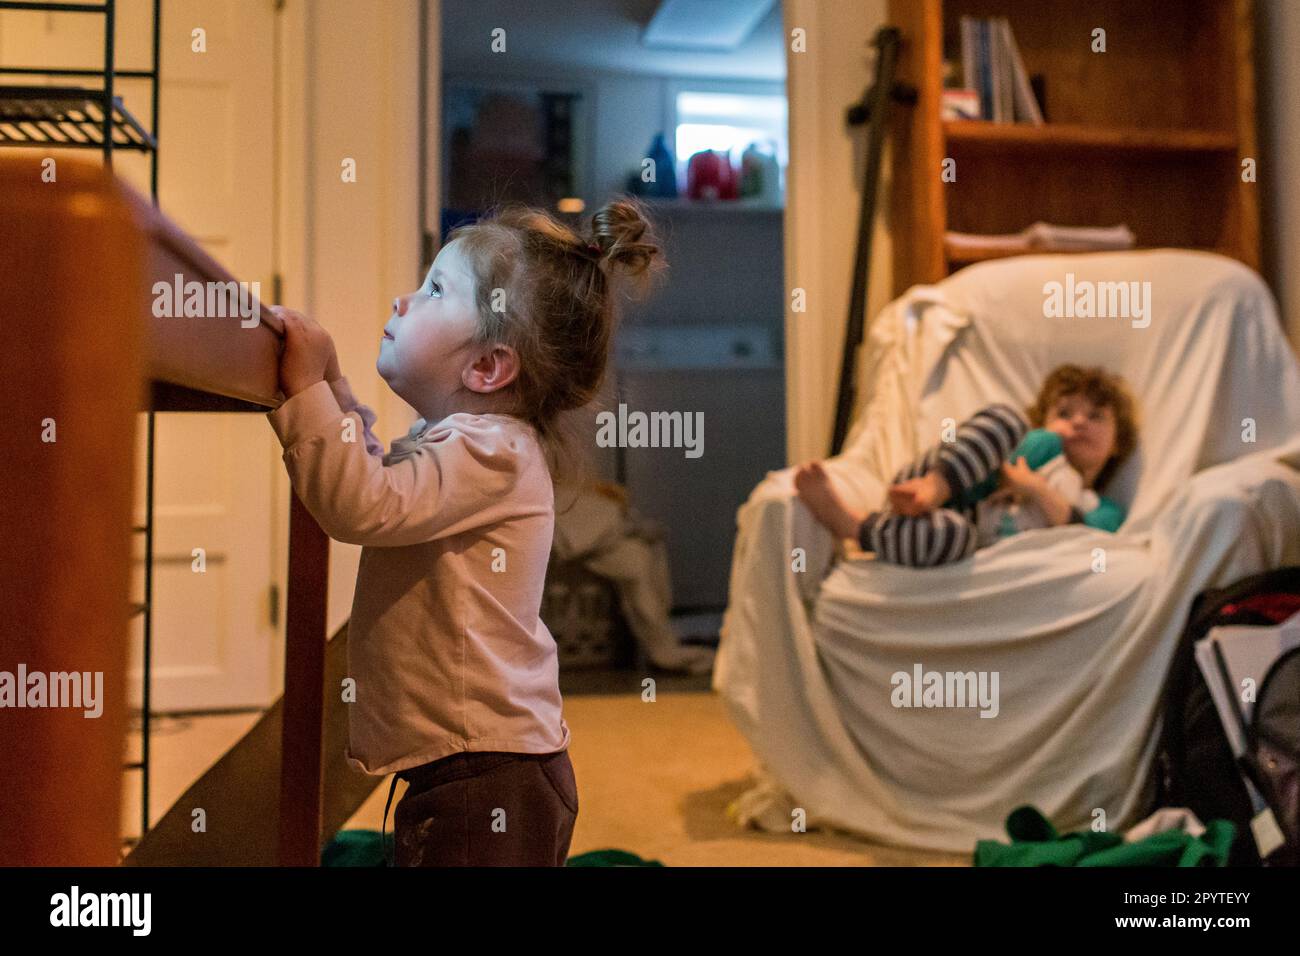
(1103, 389)
(548, 293)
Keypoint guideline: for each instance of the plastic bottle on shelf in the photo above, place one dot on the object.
(710, 176)
(761, 173)
(665, 184)
(751, 172)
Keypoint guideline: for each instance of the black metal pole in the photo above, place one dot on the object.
(876, 104)
(155, 84)
(148, 622)
(109, 25)
(69, 71)
(146, 702)
(52, 7)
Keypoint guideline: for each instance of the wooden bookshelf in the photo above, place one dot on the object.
(1066, 136)
(1151, 133)
(964, 256)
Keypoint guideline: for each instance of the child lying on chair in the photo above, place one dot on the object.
(948, 503)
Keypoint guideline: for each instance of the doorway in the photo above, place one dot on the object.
(560, 109)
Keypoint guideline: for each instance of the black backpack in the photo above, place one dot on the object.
(1195, 766)
(1272, 757)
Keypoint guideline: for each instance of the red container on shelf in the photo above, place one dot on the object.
(710, 175)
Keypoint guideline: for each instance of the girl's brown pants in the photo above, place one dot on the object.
(485, 808)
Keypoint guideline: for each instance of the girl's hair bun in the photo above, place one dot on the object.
(621, 231)
(561, 308)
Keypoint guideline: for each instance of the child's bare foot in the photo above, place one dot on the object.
(919, 496)
(814, 487)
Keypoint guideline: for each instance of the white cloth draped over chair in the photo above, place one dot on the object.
(1079, 625)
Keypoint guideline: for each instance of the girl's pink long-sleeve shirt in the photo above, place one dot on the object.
(445, 642)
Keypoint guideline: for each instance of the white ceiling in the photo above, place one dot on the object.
(596, 35)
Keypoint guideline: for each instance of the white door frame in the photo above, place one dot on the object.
(348, 86)
(824, 183)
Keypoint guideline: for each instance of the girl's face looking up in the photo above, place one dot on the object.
(1087, 431)
(427, 355)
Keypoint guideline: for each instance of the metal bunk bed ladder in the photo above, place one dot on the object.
(63, 117)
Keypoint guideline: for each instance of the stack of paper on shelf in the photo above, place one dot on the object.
(1045, 237)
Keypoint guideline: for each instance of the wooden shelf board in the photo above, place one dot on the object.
(712, 207)
(1057, 136)
(966, 257)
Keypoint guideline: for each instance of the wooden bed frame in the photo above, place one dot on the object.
(85, 349)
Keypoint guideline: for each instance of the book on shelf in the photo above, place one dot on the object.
(1044, 237)
(991, 65)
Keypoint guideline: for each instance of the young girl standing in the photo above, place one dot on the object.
(457, 687)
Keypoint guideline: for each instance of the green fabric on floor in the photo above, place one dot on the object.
(609, 858)
(356, 848)
(362, 848)
(1035, 842)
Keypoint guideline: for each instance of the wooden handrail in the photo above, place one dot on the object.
(205, 358)
(215, 357)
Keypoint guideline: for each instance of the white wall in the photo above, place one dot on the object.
(350, 91)
(824, 190)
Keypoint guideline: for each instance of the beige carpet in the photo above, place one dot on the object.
(656, 779)
(653, 778)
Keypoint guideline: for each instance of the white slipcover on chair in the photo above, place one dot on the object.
(807, 657)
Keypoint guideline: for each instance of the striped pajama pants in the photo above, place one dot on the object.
(947, 534)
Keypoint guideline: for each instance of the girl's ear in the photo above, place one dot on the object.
(492, 370)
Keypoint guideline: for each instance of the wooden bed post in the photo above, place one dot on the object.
(304, 689)
(81, 366)
(73, 368)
